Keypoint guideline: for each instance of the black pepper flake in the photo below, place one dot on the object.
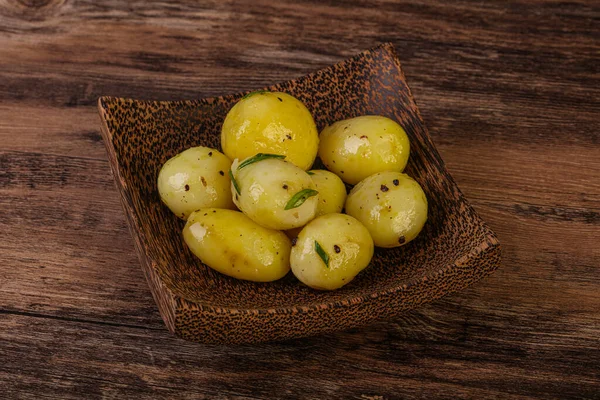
(210, 153)
(205, 214)
(203, 181)
(384, 188)
(294, 240)
(364, 137)
(187, 187)
(285, 186)
(214, 211)
(341, 172)
(221, 173)
(336, 248)
(289, 137)
(280, 99)
(401, 240)
(396, 182)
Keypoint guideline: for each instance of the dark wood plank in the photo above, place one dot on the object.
(432, 350)
(510, 91)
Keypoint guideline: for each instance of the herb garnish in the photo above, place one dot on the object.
(322, 253)
(299, 198)
(257, 158)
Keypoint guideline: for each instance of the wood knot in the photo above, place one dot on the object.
(31, 10)
(37, 3)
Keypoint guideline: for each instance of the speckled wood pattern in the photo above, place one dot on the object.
(454, 250)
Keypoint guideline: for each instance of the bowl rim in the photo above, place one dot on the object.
(490, 241)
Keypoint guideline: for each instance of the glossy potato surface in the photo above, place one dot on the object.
(195, 178)
(267, 186)
(233, 244)
(270, 122)
(391, 205)
(346, 244)
(359, 147)
(332, 191)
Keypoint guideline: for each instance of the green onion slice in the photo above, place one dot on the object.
(257, 158)
(235, 184)
(322, 253)
(299, 198)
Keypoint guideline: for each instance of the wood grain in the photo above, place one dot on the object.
(510, 93)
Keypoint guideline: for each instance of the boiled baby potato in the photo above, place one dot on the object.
(391, 205)
(270, 122)
(195, 178)
(233, 244)
(332, 191)
(360, 147)
(273, 192)
(332, 195)
(330, 251)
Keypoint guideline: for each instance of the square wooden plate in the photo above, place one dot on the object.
(454, 250)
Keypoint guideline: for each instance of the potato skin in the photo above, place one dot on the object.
(359, 147)
(332, 196)
(345, 240)
(195, 178)
(233, 244)
(271, 122)
(391, 205)
(265, 189)
(332, 191)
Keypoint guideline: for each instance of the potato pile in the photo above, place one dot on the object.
(257, 211)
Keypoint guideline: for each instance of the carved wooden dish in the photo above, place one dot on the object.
(454, 250)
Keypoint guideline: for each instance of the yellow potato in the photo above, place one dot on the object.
(195, 178)
(359, 147)
(330, 251)
(270, 122)
(332, 196)
(233, 244)
(332, 192)
(268, 190)
(391, 205)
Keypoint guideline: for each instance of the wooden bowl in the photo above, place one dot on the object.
(454, 250)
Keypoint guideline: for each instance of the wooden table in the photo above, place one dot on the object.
(510, 92)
